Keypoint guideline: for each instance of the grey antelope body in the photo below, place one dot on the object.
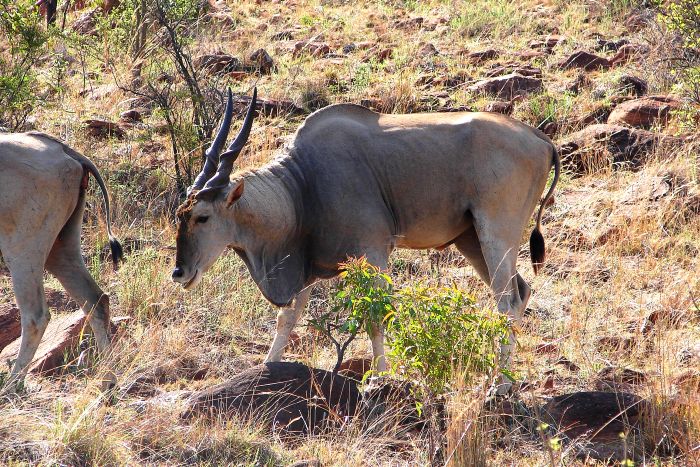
(355, 182)
(42, 199)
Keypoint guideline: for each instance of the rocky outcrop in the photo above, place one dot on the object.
(584, 60)
(289, 397)
(645, 111)
(507, 86)
(600, 146)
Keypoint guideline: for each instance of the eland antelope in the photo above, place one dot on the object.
(359, 183)
(42, 199)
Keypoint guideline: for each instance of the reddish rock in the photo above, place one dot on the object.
(288, 397)
(379, 55)
(594, 421)
(640, 20)
(355, 368)
(507, 86)
(217, 63)
(103, 128)
(528, 54)
(410, 23)
(262, 61)
(315, 49)
(427, 50)
(602, 145)
(599, 114)
(481, 56)
(550, 129)
(130, 116)
(285, 35)
(373, 103)
(629, 52)
(568, 364)
(238, 75)
(109, 5)
(645, 111)
(632, 84)
(507, 68)
(10, 326)
(585, 60)
(60, 338)
(618, 379)
(501, 107)
(87, 22)
(612, 342)
(548, 43)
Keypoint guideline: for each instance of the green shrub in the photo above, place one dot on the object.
(683, 18)
(362, 298)
(435, 330)
(21, 30)
(431, 330)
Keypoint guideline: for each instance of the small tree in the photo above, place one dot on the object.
(431, 331)
(158, 34)
(683, 18)
(361, 299)
(21, 30)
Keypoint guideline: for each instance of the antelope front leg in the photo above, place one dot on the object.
(286, 320)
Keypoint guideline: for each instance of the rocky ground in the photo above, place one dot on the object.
(615, 314)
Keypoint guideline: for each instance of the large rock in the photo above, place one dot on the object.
(219, 63)
(87, 22)
(315, 49)
(629, 52)
(290, 397)
(593, 421)
(599, 146)
(262, 61)
(645, 111)
(507, 86)
(584, 60)
(100, 128)
(60, 338)
(481, 56)
(10, 326)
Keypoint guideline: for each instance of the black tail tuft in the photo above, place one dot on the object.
(537, 252)
(117, 252)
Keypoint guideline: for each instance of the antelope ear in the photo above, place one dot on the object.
(234, 193)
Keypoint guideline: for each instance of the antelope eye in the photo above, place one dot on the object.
(201, 219)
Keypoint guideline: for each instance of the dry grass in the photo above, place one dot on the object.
(621, 286)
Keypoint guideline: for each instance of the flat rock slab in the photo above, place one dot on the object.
(645, 111)
(10, 326)
(599, 146)
(290, 397)
(61, 335)
(594, 420)
(507, 86)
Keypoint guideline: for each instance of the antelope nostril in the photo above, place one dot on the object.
(178, 273)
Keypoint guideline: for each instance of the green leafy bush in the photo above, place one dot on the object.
(21, 31)
(435, 330)
(431, 331)
(361, 299)
(683, 18)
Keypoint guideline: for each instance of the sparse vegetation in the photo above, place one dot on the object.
(619, 293)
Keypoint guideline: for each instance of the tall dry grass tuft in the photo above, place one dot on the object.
(469, 427)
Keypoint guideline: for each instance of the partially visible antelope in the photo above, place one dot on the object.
(42, 199)
(360, 183)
